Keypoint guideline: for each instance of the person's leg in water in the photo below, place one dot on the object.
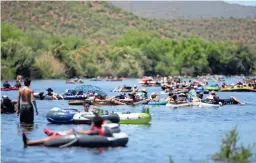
(27, 142)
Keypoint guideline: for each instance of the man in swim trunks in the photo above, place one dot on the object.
(96, 129)
(25, 110)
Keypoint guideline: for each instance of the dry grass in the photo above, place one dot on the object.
(49, 66)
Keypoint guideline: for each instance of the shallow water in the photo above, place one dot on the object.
(187, 134)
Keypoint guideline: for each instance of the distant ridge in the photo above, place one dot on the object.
(186, 9)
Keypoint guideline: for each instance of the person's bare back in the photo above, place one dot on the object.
(25, 110)
(26, 95)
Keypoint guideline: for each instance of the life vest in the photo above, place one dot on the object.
(100, 130)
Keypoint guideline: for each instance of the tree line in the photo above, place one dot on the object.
(37, 54)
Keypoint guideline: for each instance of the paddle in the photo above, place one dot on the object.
(71, 142)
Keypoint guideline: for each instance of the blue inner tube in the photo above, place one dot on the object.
(66, 116)
(61, 116)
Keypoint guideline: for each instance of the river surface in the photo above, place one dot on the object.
(188, 135)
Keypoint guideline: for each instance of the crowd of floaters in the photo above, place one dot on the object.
(179, 90)
(174, 92)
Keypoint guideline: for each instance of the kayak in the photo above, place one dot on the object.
(157, 102)
(179, 105)
(91, 141)
(10, 89)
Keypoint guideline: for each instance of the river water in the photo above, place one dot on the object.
(188, 135)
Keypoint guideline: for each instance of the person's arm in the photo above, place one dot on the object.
(34, 101)
(18, 109)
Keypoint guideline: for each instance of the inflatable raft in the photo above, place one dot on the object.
(238, 89)
(157, 102)
(10, 89)
(212, 88)
(61, 116)
(90, 141)
(75, 97)
(207, 105)
(86, 118)
(68, 116)
(135, 118)
(179, 105)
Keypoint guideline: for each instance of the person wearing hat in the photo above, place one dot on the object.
(6, 84)
(135, 89)
(144, 94)
(51, 93)
(154, 97)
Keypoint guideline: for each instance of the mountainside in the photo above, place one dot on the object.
(186, 9)
(98, 21)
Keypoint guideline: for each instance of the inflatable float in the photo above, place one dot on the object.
(86, 117)
(110, 139)
(157, 102)
(212, 88)
(68, 116)
(135, 118)
(179, 105)
(74, 97)
(207, 105)
(243, 89)
(10, 89)
(90, 141)
(61, 116)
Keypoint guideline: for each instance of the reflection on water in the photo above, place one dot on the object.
(189, 135)
(23, 127)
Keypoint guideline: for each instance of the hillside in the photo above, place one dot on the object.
(186, 9)
(66, 39)
(102, 21)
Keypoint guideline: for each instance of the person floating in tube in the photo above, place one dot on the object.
(96, 129)
(6, 84)
(51, 94)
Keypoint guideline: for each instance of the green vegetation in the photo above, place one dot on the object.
(230, 152)
(65, 39)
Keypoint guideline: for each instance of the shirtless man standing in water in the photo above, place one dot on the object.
(26, 110)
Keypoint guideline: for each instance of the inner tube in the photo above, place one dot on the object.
(135, 118)
(179, 105)
(90, 141)
(86, 118)
(61, 116)
(73, 116)
(7, 106)
(157, 102)
(203, 104)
